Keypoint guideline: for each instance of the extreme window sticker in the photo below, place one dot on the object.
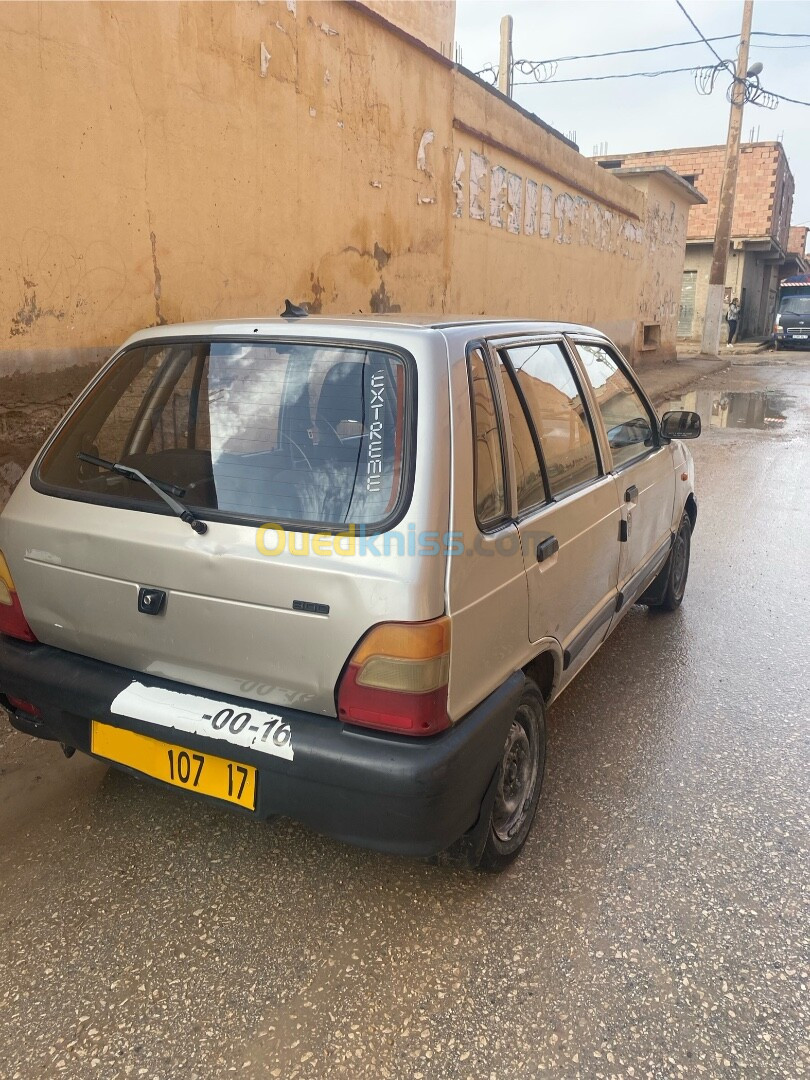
(375, 442)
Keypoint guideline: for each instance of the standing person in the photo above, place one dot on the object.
(733, 318)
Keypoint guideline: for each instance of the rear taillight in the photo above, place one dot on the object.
(12, 620)
(396, 679)
(21, 705)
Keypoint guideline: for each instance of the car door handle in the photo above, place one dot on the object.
(546, 548)
(631, 495)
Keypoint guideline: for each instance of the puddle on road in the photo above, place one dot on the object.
(762, 409)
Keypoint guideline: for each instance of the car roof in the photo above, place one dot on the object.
(347, 326)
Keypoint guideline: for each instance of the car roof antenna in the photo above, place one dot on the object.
(293, 311)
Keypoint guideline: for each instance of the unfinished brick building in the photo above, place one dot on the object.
(759, 233)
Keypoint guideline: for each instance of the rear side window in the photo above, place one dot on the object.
(627, 420)
(558, 412)
(490, 499)
(287, 432)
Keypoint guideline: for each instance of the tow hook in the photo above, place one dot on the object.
(68, 751)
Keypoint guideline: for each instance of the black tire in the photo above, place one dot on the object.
(519, 783)
(677, 567)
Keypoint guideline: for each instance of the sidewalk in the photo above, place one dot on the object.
(744, 348)
(663, 381)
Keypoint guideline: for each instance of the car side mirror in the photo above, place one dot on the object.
(680, 425)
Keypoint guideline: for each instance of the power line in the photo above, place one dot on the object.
(793, 101)
(489, 68)
(543, 71)
(602, 78)
(671, 45)
(700, 34)
(625, 52)
(705, 75)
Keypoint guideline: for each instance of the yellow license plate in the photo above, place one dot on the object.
(190, 769)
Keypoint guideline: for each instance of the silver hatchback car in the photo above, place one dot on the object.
(337, 569)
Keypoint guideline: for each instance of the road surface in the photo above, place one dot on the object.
(656, 925)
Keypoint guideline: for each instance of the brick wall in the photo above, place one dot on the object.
(764, 199)
(797, 239)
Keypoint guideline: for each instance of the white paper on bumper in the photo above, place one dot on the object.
(254, 728)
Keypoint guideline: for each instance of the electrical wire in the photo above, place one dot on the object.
(705, 78)
(793, 101)
(602, 78)
(654, 48)
(752, 91)
(700, 34)
(544, 71)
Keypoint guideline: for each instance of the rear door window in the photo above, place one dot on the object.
(558, 412)
(279, 431)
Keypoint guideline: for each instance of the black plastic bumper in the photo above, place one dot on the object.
(412, 796)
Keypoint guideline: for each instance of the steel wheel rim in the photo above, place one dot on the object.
(517, 781)
(679, 561)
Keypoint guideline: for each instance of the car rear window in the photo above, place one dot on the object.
(293, 432)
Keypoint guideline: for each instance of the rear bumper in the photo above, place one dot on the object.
(404, 795)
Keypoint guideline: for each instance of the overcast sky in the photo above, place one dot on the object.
(650, 114)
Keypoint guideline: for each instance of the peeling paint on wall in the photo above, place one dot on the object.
(632, 232)
(530, 215)
(315, 306)
(264, 60)
(583, 216)
(421, 154)
(545, 211)
(30, 312)
(564, 214)
(458, 187)
(497, 196)
(478, 177)
(578, 220)
(381, 302)
(158, 289)
(324, 28)
(291, 7)
(514, 202)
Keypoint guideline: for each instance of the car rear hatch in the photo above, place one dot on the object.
(300, 459)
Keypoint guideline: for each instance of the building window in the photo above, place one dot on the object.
(652, 336)
(686, 313)
(616, 163)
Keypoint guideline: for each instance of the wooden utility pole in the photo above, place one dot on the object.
(505, 65)
(722, 237)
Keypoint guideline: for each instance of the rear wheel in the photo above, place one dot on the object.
(519, 783)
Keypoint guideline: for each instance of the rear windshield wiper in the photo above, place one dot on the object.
(165, 492)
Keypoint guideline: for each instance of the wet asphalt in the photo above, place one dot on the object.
(655, 926)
